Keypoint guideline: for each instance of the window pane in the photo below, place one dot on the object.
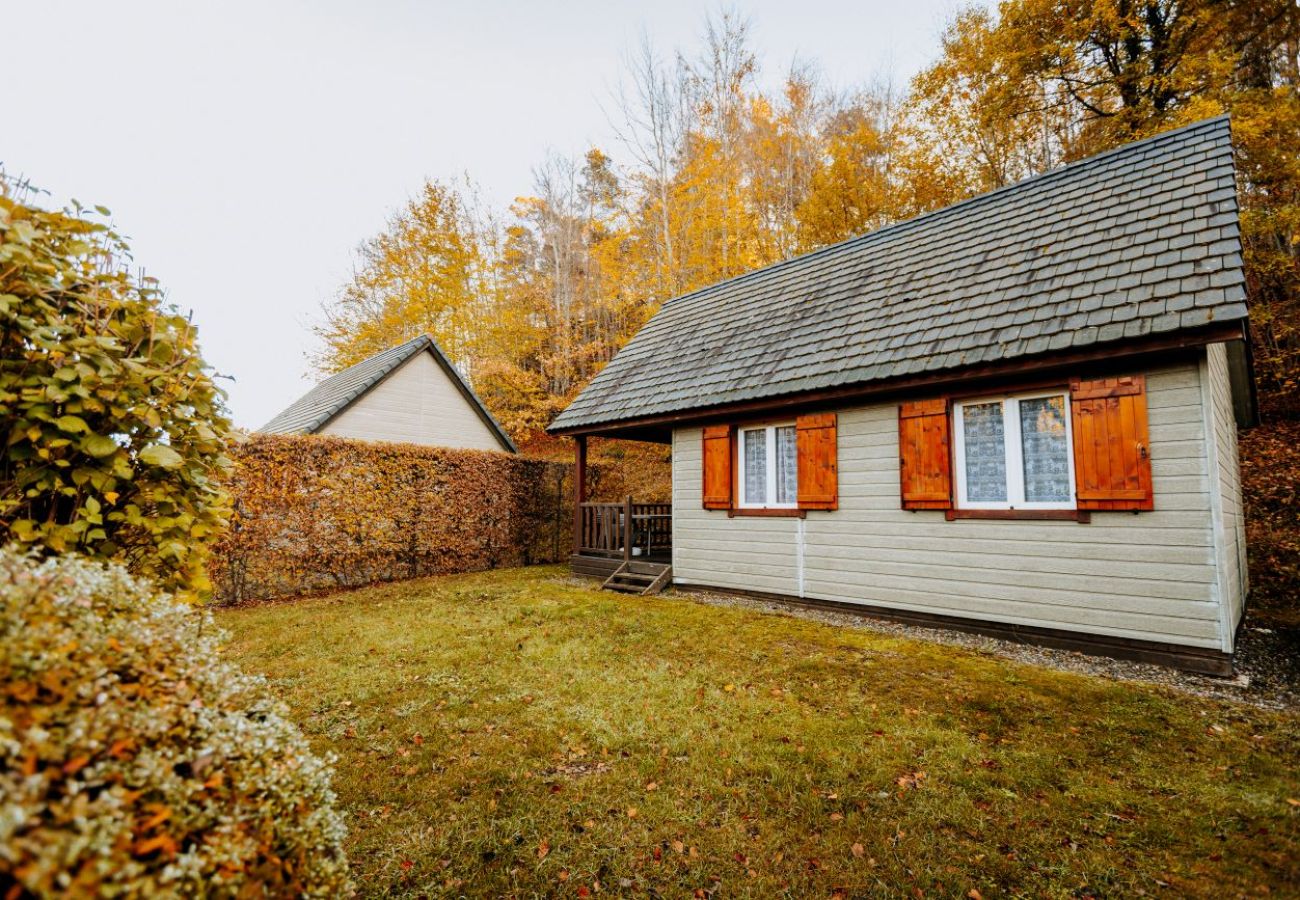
(787, 465)
(755, 466)
(986, 455)
(1046, 453)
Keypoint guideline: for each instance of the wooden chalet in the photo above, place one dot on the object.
(1016, 415)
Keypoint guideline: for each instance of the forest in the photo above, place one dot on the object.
(712, 176)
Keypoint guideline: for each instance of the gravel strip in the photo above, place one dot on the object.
(1267, 661)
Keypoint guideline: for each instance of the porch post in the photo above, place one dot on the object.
(627, 529)
(579, 488)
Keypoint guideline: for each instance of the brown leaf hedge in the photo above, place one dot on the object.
(1270, 483)
(313, 513)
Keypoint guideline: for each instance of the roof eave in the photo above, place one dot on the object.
(1126, 350)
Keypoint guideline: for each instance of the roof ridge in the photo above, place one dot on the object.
(400, 354)
(374, 356)
(907, 224)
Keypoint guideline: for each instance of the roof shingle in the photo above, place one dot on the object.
(1140, 240)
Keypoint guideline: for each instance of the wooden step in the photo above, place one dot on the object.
(642, 567)
(635, 577)
(639, 578)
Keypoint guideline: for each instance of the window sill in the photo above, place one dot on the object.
(788, 513)
(1082, 516)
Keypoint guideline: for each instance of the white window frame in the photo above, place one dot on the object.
(770, 454)
(1014, 451)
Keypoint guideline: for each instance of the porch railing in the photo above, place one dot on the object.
(625, 530)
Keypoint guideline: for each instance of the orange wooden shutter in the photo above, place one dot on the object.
(925, 464)
(717, 467)
(1112, 461)
(815, 438)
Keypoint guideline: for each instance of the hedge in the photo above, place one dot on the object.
(313, 513)
(1270, 486)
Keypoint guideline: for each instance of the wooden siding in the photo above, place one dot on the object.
(1148, 576)
(417, 404)
(1226, 484)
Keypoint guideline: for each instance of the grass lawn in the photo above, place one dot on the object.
(511, 733)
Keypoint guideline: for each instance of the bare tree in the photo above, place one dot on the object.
(653, 121)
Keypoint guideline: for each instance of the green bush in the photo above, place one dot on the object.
(113, 431)
(134, 761)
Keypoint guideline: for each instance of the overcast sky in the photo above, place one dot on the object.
(247, 146)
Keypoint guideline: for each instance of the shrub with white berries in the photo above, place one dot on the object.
(134, 760)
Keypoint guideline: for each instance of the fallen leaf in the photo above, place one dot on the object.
(912, 780)
(542, 849)
(564, 875)
(631, 812)
(678, 847)
(1293, 801)
(974, 894)
(859, 851)
(729, 688)
(652, 786)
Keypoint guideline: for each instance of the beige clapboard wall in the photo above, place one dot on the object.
(1152, 576)
(417, 404)
(1226, 479)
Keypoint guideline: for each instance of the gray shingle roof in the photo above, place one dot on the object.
(1141, 240)
(310, 412)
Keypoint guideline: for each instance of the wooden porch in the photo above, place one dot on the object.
(625, 535)
(611, 534)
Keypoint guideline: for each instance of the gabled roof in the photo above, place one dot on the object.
(316, 408)
(1138, 241)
